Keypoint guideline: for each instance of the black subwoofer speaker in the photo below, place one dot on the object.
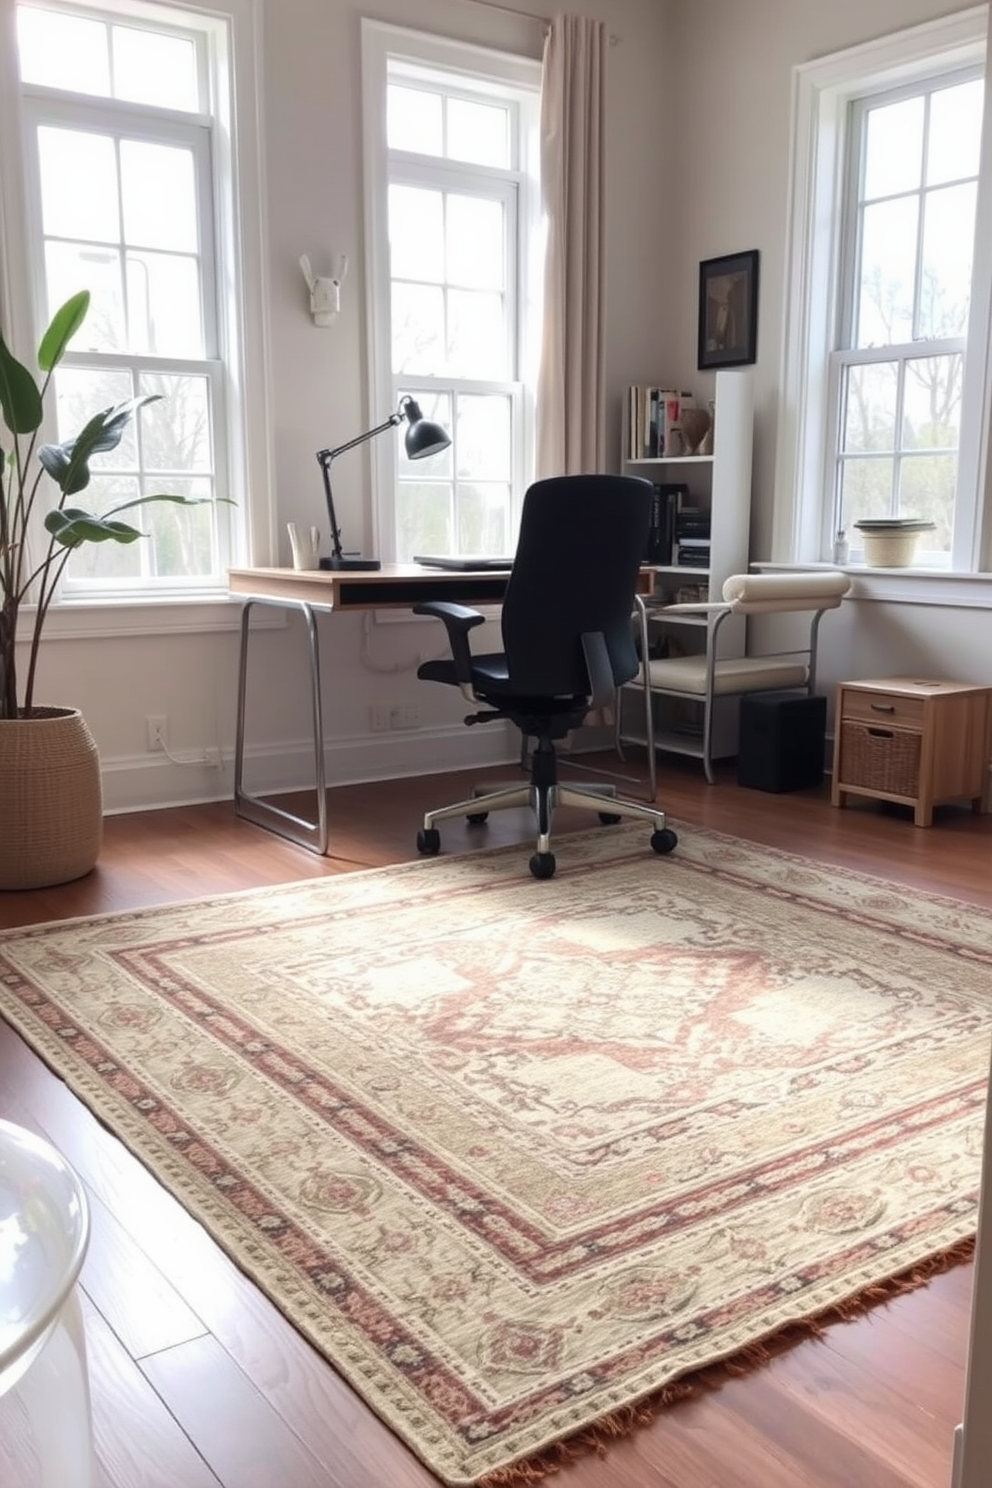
(781, 740)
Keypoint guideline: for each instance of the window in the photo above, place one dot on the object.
(453, 229)
(125, 120)
(897, 378)
(884, 299)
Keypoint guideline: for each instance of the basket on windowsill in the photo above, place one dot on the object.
(890, 542)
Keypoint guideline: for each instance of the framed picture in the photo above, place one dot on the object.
(728, 310)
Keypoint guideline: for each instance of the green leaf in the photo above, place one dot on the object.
(166, 496)
(64, 325)
(20, 396)
(72, 526)
(68, 463)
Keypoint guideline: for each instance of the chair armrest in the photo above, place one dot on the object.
(458, 620)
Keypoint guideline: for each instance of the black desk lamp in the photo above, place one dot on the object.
(423, 437)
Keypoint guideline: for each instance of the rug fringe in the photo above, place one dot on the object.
(597, 1438)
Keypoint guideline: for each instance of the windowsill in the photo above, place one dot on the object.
(78, 619)
(921, 586)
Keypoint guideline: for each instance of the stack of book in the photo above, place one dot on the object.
(669, 499)
(692, 538)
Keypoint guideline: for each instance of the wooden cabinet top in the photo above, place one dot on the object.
(914, 687)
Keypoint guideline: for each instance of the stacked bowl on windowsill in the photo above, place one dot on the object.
(890, 542)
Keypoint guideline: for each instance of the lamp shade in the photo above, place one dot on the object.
(423, 436)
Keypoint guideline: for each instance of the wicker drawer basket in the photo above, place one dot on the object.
(880, 759)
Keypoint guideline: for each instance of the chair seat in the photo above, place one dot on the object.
(741, 674)
(490, 670)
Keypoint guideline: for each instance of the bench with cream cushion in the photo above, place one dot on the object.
(708, 676)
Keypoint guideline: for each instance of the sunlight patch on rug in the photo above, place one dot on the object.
(515, 1156)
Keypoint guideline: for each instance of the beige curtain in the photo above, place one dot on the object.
(570, 388)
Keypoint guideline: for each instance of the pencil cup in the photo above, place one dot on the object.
(305, 542)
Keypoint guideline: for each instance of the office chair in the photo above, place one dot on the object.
(707, 677)
(567, 646)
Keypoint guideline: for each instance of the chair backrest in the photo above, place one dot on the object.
(765, 593)
(582, 540)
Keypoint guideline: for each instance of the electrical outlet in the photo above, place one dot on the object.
(155, 730)
(404, 717)
(379, 718)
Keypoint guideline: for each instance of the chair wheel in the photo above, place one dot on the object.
(663, 840)
(429, 841)
(476, 818)
(542, 865)
(609, 818)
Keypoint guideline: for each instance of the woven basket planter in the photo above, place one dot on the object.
(51, 799)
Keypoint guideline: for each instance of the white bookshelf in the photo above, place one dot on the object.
(719, 484)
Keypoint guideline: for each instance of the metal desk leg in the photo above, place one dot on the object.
(310, 834)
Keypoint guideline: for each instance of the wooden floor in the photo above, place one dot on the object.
(197, 1380)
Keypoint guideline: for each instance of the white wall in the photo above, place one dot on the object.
(698, 156)
(312, 119)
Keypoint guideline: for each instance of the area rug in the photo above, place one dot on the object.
(515, 1155)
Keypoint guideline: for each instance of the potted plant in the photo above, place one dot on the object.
(51, 805)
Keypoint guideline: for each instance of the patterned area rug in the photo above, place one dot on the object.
(515, 1156)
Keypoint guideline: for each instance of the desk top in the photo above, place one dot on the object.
(393, 586)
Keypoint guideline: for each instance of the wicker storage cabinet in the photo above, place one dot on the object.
(918, 742)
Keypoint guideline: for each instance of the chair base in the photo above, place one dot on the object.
(543, 799)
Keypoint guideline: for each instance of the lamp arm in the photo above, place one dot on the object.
(324, 458)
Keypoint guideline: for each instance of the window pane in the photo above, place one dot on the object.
(483, 519)
(478, 133)
(78, 185)
(63, 51)
(866, 491)
(175, 431)
(82, 392)
(476, 243)
(948, 238)
(153, 68)
(163, 296)
(932, 402)
(894, 148)
(477, 341)
(416, 234)
(955, 139)
(926, 489)
(483, 437)
(70, 267)
(413, 120)
(888, 269)
(180, 539)
(870, 407)
(158, 189)
(418, 329)
(423, 519)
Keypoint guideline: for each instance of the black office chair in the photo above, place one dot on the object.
(567, 646)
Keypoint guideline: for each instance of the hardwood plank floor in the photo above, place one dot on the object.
(198, 1381)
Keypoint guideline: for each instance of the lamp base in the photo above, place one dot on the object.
(349, 564)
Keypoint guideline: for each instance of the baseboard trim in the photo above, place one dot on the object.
(153, 782)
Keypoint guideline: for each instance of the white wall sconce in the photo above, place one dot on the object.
(325, 291)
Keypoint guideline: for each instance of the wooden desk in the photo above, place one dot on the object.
(313, 591)
(394, 586)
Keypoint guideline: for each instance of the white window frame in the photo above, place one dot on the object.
(822, 93)
(232, 31)
(382, 43)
